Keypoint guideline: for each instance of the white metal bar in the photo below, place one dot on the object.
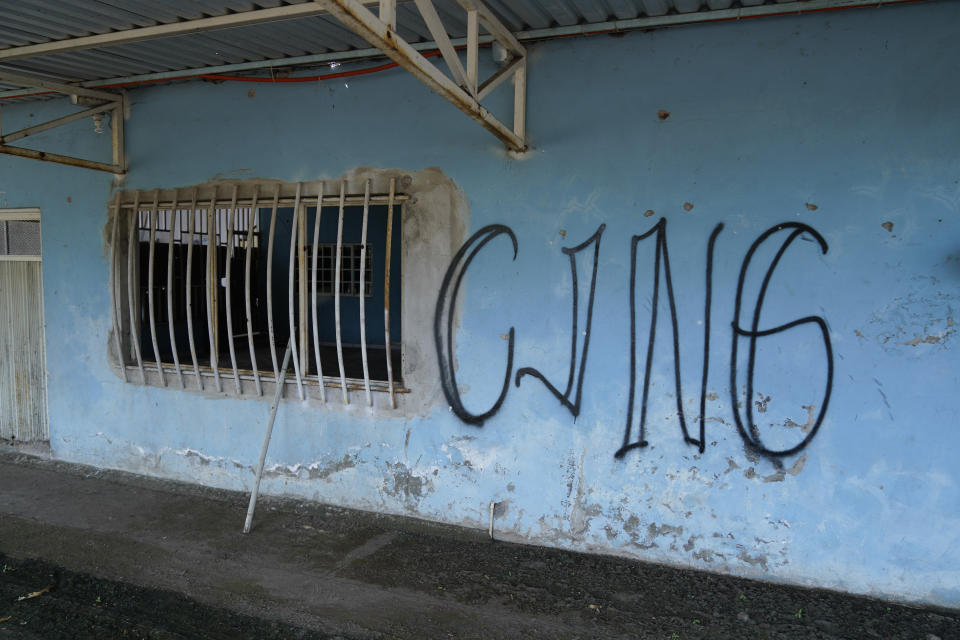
(13, 136)
(254, 215)
(313, 296)
(294, 227)
(363, 293)
(493, 506)
(278, 394)
(304, 321)
(193, 347)
(388, 13)
(117, 135)
(150, 306)
(114, 291)
(336, 295)
(439, 32)
(174, 227)
(138, 34)
(354, 384)
(59, 87)
(386, 296)
(354, 15)
(520, 101)
(212, 284)
(473, 52)
(57, 158)
(500, 32)
(132, 287)
(273, 229)
(497, 78)
(228, 264)
(244, 199)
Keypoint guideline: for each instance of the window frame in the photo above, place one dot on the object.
(266, 198)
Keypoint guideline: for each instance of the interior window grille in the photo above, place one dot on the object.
(210, 288)
(349, 270)
(20, 238)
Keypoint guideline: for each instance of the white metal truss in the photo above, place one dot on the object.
(99, 102)
(462, 87)
(464, 90)
(583, 29)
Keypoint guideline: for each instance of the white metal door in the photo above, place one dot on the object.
(23, 394)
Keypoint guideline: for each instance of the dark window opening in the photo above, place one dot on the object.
(191, 272)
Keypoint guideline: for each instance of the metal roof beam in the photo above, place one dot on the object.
(126, 36)
(82, 163)
(439, 33)
(388, 13)
(59, 87)
(496, 28)
(13, 136)
(353, 14)
(765, 10)
(115, 105)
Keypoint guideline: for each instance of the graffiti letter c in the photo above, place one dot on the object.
(443, 335)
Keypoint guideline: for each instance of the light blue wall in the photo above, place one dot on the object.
(842, 121)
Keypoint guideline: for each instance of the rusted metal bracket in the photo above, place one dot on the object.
(463, 89)
(98, 102)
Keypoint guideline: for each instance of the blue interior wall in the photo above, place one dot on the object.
(845, 123)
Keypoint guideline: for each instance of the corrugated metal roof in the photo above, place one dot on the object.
(30, 22)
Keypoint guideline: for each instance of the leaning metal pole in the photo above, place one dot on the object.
(266, 440)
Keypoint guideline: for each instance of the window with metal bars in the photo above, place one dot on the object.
(218, 281)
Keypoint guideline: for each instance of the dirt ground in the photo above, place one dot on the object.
(62, 604)
(115, 555)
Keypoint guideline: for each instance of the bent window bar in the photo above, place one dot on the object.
(210, 238)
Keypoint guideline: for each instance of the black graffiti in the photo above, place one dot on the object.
(443, 324)
(662, 256)
(747, 428)
(708, 298)
(750, 433)
(564, 398)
